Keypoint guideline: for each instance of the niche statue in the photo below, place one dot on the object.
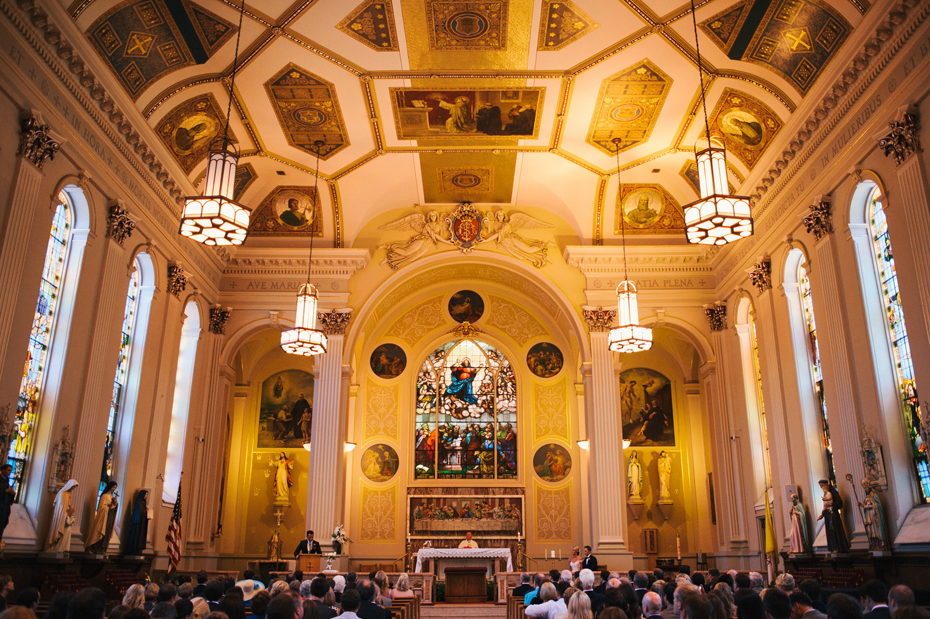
(833, 518)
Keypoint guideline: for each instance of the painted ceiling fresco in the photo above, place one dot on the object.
(504, 102)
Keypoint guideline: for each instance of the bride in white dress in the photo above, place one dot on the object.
(574, 562)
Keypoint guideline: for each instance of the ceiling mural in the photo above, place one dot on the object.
(288, 211)
(467, 25)
(188, 130)
(628, 106)
(477, 112)
(560, 24)
(794, 38)
(142, 41)
(468, 177)
(372, 23)
(747, 124)
(647, 208)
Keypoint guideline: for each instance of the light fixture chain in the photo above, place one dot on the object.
(619, 143)
(232, 81)
(316, 196)
(697, 47)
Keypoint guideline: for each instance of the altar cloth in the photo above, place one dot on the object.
(425, 554)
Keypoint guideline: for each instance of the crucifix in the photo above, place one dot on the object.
(278, 515)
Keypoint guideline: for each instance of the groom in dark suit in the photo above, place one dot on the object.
(590, 561)
(308, 546)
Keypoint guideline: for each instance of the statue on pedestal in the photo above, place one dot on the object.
(798, 538)
(282, 479)
(634, 475)
(665, 477)
(833, 518)
(59, 535)
(873, 515)
(102, 528)
(139, 524)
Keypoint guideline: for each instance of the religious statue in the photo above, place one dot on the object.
(274, 546)
(139, 524)
(282, 479)
(503, 229)
(59, 535)
(833, 518)
(63, 462)
(872, 462)
(634, 475)
(873, 515)
(665, 476)
(102, 528)
(429, 232)
(798, 539)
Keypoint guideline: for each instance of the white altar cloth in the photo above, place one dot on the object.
(425, 554)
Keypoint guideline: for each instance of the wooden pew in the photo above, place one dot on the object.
(515, 606)
(412, 605)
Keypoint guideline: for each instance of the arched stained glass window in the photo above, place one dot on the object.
(807, 305)
(119, 381)
(900, 343)
(39, 339)
(757, 376)
(466, 418)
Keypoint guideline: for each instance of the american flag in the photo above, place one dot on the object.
(174, 534)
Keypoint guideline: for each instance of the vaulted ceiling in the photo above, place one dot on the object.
(435, 102)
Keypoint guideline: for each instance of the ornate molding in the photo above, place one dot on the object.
(218, 319)
(598, 319)
(119, 224)
(36, 142)
(177, 279)
(466, 329)
(904, 138)
(334, 322)
(820, 221)
(761, 274)
(716, 315)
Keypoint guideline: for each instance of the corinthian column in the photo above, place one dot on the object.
(608, 500)
(327, 471)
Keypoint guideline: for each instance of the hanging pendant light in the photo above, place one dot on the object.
(629, 336)
(215, 218)
(305, 339)
(717, 218)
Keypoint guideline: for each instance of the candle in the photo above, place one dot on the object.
(678, 546)
(560, 554)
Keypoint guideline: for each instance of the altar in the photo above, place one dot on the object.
(462, 557)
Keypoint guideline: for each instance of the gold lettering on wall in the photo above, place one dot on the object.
(381, 414)
(553, 513)
(377, 517)
(513, 320)
(418, 321)
(550, 415)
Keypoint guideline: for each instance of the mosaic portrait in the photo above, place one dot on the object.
(285, 417)
(747, 124)
(288, 211)
(646, 408)
(188, 130)
(647, 209)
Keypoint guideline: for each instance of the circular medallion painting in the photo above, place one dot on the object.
(552, 462)
(379, 462)
(545, 360)
(388, 361)
(744, 127)
(194, 132)
(466, 306)
(642, 207)
(467, 25)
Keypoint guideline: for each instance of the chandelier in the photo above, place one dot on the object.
(215, 218)
(629, 336)
(716, 218)
(305, 339)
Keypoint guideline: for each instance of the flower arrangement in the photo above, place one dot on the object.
(339, 535)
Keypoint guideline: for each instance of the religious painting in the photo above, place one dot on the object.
(143, 40)
(288, 211)
(188, 130)
(464, 25)
(372, 23)
(466, 306)
(628, 107)
(379, 462)
(307, 110)
(388, 361)
(486, 515)
(747, 124)
(474, 112)
(552, 462)
(646, 408)
(646, 208)
(560, 24)
(466, 414)
(544, 360)
(285, 417)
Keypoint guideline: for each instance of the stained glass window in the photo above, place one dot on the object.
(39, 339)
(757, 375)
(900, 344)
(813, 350)
(119, 382)
(466, 417)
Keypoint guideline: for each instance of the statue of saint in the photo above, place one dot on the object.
(873, 516)
(138, 525)
(833, 518)
(59, 536)
(665, 476)
(798, 537)
(102, 529)
(282, 477)
(634, 475)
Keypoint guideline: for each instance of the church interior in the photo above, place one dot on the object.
(611, 274)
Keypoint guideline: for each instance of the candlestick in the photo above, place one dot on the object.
(678, 546)
(560, 554)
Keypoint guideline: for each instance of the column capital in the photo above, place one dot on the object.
(716, 315)
(760, 275)
(177, 279)
(119, 224)
(904, 138)
(820, 220)
(334, 322)
(598, 319)
(36, 142)
(218, 319)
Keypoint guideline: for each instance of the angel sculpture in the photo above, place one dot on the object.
(504, 230)
(429, 230)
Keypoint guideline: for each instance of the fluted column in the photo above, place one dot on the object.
(606, 455)
(324, 491)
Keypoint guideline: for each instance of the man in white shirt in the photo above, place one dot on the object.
(350, 604)
(468, 542)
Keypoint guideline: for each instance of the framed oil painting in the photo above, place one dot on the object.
(285, 418)
(466, 113)
(552, 462)
(466, 306)
(485, 515)
(379, 462)
(388, 361)
(545, 360)
(646, 408)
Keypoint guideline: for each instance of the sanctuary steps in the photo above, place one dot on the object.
(470, 611)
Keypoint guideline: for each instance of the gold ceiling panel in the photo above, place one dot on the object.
(747, 125)
(723, 27)
(467, 25)
(647, 208)
(628, 106)
(560, 24)
(188, 130)
(468, 177)
(307, 109)
(372, 23)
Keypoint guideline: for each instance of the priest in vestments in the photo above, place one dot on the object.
(468, 542)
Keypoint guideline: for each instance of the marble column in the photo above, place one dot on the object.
(327, 459)
(608, 500)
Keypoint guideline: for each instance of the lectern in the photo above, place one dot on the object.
(309, 564)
